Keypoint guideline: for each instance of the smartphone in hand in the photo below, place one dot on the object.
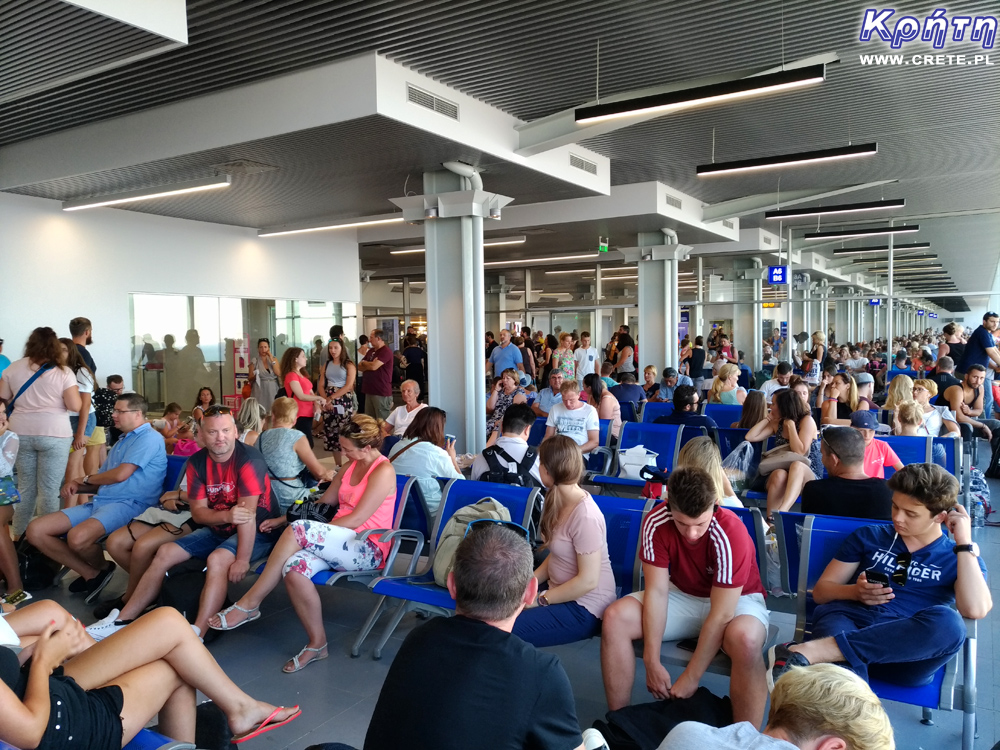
(877, 576)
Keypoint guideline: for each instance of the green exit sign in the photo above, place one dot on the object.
(602, 245)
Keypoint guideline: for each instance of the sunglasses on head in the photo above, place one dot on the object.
(216, 409)
(484, 522)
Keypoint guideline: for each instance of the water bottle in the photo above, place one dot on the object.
(978, 514)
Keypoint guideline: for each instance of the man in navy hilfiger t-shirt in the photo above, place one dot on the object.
(905, 631)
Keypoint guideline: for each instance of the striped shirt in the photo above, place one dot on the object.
(724, 556)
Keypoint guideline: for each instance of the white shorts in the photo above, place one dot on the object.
(686, 614)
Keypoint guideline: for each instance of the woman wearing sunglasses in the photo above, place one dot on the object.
(577, 569)
(366, 491)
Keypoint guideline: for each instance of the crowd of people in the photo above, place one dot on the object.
(90, 468)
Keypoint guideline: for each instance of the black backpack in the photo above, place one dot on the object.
(499, 473)
(37, 571)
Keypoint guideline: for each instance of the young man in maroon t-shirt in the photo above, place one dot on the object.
(702, 581)
(377, 381)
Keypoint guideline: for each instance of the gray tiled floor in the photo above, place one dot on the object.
(338, 695)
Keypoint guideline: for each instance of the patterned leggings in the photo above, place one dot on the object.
(327, 547)
(334, 423)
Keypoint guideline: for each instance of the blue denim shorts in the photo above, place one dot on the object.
(74, 420)
(111, 515)
(203, 542)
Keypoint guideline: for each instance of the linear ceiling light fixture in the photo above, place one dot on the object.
(843, 208)
(868, 232)
(897, 259)
(787, 160)
(883, 248)
(541, 260)
(741, 88)
(486, 243)
(346, 224)
(161, 191)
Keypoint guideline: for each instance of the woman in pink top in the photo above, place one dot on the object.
(40, 419)
(577, 569)
(299, 387)
(365, 488)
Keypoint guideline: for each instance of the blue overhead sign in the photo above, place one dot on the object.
(875, 302)
(920, 312)
(777, 274)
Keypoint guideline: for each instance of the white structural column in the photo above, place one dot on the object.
(758, 322)
(455, 299)
(658, 311)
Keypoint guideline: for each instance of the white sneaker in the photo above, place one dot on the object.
(594, 740)
(108, 626)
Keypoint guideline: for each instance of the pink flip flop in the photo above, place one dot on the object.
(266, 725)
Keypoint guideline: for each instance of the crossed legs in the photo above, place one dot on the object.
(785, 486)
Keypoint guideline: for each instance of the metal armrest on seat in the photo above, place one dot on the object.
(396, 537)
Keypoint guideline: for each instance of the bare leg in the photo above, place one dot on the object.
(165, 634)
(45, 533)
(622, 624)
(309, 608)
(85, 541)
(776, 490)
(744, 642)
(148, 588)
(266, 581)
(8, 555)
(119, 544)
(213, 594)
(820, 651)
(144, 550)
(92, 459)
(798, 474)
(156, 689)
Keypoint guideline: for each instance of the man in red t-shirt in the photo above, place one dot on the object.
(702, 582)
(230, 494)
(377, 381)
(878, 454)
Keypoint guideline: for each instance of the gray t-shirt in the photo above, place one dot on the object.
(692, 735)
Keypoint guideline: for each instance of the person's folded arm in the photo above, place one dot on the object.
(586, 579)
(833, 584)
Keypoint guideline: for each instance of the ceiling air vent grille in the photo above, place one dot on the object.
(579, 163)
(427, 100)
(768, 241)
(728, 224)
(673, 201)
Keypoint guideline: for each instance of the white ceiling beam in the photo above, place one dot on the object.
(755, 204)
(561, 128)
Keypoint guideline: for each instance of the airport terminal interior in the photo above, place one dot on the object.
(493, 200)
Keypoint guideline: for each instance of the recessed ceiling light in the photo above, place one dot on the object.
(161, 191)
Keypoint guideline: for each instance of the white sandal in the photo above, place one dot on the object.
(296, 667)
(252, 615)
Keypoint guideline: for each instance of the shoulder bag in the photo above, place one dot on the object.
(26, 386)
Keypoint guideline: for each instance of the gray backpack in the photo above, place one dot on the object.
(454, 533)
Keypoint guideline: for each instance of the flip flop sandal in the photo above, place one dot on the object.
(267, 725)
(297, 667)
(252, 615)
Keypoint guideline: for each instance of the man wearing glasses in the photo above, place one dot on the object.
(886, 599)
(104, 405)
(129, 482)
(230, 495)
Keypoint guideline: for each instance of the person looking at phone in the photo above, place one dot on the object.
(885, 600)
(427, 453)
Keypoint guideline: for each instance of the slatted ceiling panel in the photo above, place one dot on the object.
(348, 169)
(46, 40)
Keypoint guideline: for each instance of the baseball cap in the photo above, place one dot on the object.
(864, 420)
(862, 378)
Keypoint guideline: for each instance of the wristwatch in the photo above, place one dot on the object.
(973, 548)
(86, 479)
(543, 600)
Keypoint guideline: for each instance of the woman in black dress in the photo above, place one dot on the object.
(75, 693)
